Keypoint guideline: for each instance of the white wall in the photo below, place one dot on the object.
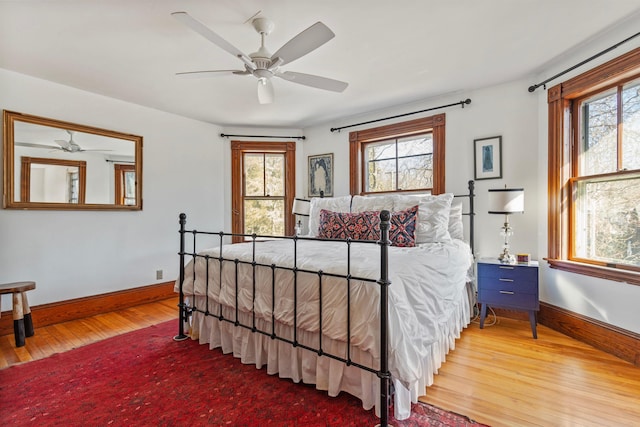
(72, 254)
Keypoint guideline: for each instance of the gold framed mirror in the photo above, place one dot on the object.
(52, 164)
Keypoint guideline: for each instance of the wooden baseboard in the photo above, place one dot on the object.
(608, 338)
(64, 311)
(603, 336)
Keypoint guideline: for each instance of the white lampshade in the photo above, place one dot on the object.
(301, 207)
(506, 201)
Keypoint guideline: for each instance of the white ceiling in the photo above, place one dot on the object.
(390, 52)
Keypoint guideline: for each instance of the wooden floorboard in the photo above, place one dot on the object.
(498, 375)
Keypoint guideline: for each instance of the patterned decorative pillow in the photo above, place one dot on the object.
(342, 225)
(403, 227)
(366, 226)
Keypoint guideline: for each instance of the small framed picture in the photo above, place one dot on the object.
(488, 157)
(321, 175)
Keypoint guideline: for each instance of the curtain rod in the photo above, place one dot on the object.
(609, 49)
(462, 103)
(262, 136)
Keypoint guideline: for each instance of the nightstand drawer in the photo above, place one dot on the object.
(508, 299)
(510, 285)
(498, 271)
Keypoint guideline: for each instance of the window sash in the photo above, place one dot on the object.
(605, 232)
(399, 160)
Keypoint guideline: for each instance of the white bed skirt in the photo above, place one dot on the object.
(327, 374)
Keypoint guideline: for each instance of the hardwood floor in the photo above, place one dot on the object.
(499, 375)
(68, 335)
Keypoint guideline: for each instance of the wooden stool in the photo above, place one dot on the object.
(22, 322)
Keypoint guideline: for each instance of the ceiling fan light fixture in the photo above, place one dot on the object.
(265, 91)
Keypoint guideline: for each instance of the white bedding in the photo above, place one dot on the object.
(427, 309)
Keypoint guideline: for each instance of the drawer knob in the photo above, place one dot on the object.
(504, 267)
(507, 292)
(505, 280)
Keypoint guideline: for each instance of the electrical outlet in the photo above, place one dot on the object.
(158, 274)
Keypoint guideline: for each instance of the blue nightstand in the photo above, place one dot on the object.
(509, 286)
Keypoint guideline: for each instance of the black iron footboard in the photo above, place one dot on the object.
(383, 373)
(383, 281)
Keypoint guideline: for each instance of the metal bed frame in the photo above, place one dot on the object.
(382, 373)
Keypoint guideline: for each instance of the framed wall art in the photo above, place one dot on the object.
(488, 157)
(321, 175)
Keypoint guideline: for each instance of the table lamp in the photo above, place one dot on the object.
(506, 201)
(301, 207)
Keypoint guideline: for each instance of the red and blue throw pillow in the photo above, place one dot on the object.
(366, 226)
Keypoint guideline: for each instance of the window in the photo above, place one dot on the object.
(125, 184)
(263, 186)
(73, 182)
(406, 156)
(594, 171)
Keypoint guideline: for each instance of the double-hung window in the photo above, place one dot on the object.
(594, 171)
(263, 187)
(406, 156)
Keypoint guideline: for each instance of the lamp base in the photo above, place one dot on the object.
(506, 258)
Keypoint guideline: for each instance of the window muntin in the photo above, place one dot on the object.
(605, 196)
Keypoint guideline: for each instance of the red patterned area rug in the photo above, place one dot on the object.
(144, 378)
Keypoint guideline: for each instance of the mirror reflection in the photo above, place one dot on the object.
(51, 164)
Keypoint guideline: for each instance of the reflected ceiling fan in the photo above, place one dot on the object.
(262, 64)
(69, 146)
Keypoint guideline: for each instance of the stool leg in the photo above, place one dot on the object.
(28, 322)
(18, 319)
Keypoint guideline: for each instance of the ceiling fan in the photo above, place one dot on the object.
(262, 64)
(69, 146)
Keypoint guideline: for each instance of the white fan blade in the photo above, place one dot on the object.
(305, 42)
(314, 81)
(29, 144)
(208, 34)
(210, 73)
(265, 91)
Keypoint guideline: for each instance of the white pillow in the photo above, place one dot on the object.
(371, 203)
(456, 228)
(433, 215)
(335, 204)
